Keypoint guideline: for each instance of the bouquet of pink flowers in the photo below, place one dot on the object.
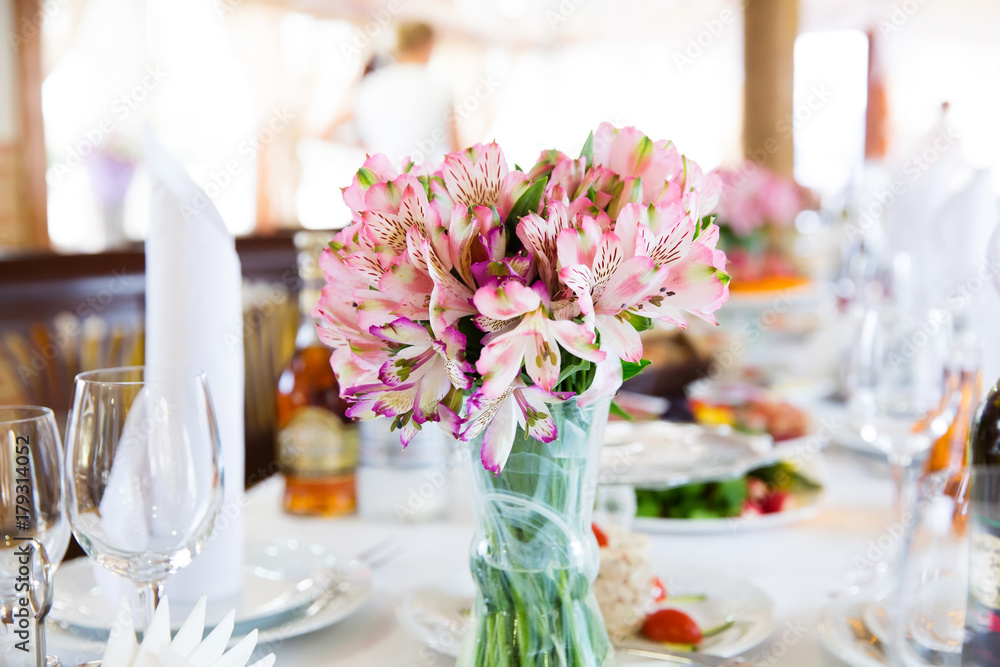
(473, 295)
(754, 196)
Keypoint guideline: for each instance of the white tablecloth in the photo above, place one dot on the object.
(799, 565)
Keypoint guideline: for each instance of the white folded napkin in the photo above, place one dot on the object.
(194, 318)
(186, 649)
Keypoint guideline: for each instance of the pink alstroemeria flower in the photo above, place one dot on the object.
(498, 419)
(753, 196)
(528, 337)
(631, 154)
(478, 176)
(416, 378)
(696, 281)
(377, 168)
(616, 237)
(610, 282)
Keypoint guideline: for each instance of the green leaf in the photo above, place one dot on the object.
(638, 322)
(785, 477)
(646, 503)
(631, 369)
(732, 493)
(588, 149)
(527, 202)
(617, 410)
(473, 339)
(571, 365)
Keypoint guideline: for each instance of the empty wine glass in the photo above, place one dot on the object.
(144, 474)
(900, 398)
(924, 620)
(31, 514)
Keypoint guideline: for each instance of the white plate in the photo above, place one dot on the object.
(836, 635)
(438, 616)
(811, 504)
(661, 454)
(835, 412)
(281, 580)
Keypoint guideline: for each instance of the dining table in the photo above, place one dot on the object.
(802, 566)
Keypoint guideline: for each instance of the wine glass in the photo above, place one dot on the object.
(901, 395)
(924, 619)
(32, 516)
(144, 475)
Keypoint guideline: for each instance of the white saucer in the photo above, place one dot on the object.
(439, 616)
(282, 580)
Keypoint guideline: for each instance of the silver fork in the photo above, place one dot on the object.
(374, 557)
(697, 659)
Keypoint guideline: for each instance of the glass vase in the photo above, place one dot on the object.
(534, 555)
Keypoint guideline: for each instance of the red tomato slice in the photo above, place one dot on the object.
(672, 626)
(602, 537)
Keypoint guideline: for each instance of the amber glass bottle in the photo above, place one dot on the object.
(949, 453)
(317, 444)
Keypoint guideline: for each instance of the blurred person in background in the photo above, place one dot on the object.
(400, 108)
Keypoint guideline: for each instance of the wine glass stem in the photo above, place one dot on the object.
(150, 593)
(903, 475)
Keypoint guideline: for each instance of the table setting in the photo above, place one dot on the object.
(498, 505)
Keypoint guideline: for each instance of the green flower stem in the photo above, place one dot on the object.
(534, 556)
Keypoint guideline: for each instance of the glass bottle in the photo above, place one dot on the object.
(317, 443)
(949, 454)
(982, 618)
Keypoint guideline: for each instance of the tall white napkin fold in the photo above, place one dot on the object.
(186, 649)
(194, 317)
(959, 236)
(942, 220)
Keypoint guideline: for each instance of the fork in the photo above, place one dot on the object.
(695, 659)
(374, 557)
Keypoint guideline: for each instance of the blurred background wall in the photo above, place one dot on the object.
(260, 99)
